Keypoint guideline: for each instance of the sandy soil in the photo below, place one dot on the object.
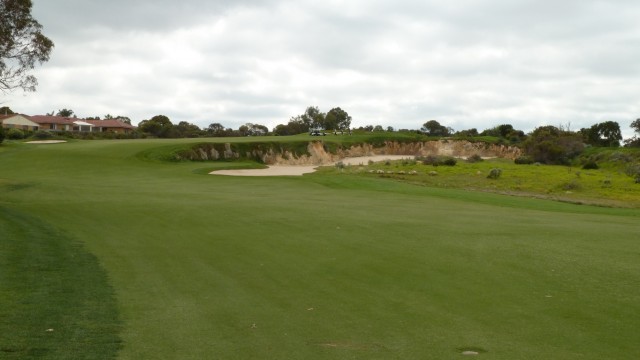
(289, 170)
(46, 142)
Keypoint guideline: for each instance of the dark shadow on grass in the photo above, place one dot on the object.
(56, 301)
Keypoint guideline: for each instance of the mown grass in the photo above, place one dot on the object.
(55, 302)
(331, 265)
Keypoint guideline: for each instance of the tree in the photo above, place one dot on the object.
(250, 129)
(433, 128)
(551, 145)
(281, 130)
(606, 134)
(337, 119)
(22, 45)
(5, 110)
(185, 129)
(468, 133)
(215, 129)
(159, 126)
(634, 141)
(65, 113)
(636, 126)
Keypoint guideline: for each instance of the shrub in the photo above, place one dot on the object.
(428, 160)
(14, 134)
(449, 161)
(523, 160)
(1, 134)
(590, 165)
(42, 135)
(634, 172)
(494, 173)
(437, 160)
(474, 158)
(571, 185)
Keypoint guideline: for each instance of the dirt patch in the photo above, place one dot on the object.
(299, 170)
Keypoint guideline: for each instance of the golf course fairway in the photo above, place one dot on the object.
(108, 254)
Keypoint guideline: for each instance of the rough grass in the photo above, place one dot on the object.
(607, 186)
(331, 265)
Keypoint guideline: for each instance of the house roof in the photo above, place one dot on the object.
(82, 123)
(111, 123)
(3, 117)
(46, 119)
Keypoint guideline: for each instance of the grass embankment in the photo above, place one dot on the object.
(331, 266)
(606, 186)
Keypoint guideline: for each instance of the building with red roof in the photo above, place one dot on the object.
(18, 121)
(111, 125)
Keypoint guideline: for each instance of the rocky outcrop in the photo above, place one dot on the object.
(317, 153)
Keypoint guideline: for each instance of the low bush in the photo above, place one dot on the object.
(590, 165)
(42, 135)
(571, 185)
(634, 172)
(14, 134)
(524, 160)
(494, 173)
(449, 161)
(474, 158)
(437, 160)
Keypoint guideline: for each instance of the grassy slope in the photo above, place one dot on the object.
(333, 266)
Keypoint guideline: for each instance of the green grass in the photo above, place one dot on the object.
(55, 300)
(325, 266)
(607, 186)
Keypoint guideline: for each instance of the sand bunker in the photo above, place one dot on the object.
(299, 170)
(46, 142)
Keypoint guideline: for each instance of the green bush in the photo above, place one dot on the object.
(449, 161)
(14, 134)
(590, 165)
(571, 185)
(1, 134)
(494, 173)
(42, 135)
(437, 160)
(428, 160)
(634, 172)
(524, 160)
(474, 158)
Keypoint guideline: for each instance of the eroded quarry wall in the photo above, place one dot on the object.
(318, 154)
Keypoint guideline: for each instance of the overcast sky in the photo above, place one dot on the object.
(400, 63)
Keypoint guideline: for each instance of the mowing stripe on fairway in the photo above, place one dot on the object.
(55, 301)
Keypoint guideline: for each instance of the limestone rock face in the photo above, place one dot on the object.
(318, 155)
(456, 148)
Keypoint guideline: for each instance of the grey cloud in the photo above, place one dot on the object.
(476, 63)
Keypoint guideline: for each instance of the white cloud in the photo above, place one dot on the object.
(474, 63)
